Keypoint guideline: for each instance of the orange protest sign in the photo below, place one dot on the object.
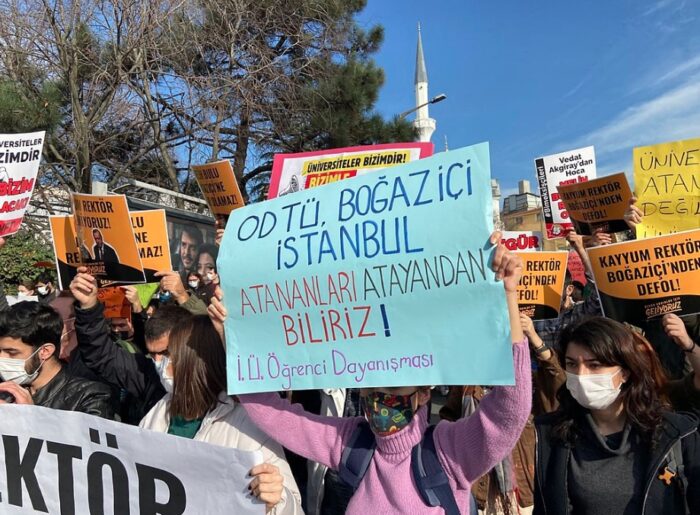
(542, 284)
(642, 279)
(106, 238)
(65, 248)
(115, 303)
(219, 186)
(151, 233)
(597, 204)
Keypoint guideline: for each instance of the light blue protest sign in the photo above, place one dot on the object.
(379, 280)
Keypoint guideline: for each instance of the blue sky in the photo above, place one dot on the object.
(542, 77)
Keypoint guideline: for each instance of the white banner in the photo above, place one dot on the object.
(66, 462)
(20, 155)
(563, 168)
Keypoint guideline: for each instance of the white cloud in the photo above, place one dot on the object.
(657, 6)
(674, 114)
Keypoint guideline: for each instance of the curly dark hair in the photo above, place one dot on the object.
(612, 343)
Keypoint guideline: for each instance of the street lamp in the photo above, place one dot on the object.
(434, 100)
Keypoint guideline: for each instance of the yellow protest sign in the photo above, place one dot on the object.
(642, 279)
(219, 186)
(542, 284)
(667, 184)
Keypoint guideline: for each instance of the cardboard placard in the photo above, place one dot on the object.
(374, 281)
(219, 187)
(296, 172)
(542, 284)
(115, 302)
(576, 268)
(597, 204)
(20, 156)
(106, 239)
(151, 234)
(667, 183)
(569, 167)
(65, 248)
(643, 279)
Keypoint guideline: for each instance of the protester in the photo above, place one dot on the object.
(573, 307)
(397, 417)
(30, 343)
(509, 487)
(45, 289)
(199, 408)
(26, 287)
(142, 376)
(614, 446)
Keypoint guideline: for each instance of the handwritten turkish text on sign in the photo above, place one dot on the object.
(65, 248)
(151, 234)
(643, 279)
(371, 282)
(542, 284)
(296, 172)
(68, 462)
(20, 155)
(597, 204)
(106, 239)
(667, 183)
(565, 168)
(219, 186)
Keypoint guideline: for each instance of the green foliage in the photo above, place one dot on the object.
(26, 111)
(17, 259)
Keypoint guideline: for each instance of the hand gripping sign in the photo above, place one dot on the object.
(382, 280)
(67, 462)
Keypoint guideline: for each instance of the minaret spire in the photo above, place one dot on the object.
(422, 122)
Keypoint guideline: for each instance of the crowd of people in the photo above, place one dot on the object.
(602, 418)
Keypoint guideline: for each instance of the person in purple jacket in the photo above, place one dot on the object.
(466, 449)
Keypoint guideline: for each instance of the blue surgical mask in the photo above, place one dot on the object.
(165, 296)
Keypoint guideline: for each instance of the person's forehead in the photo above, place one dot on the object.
(158, 344)
(576, 351)
(186, 238)
(9, 343)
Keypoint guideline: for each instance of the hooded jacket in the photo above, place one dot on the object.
(228, 425)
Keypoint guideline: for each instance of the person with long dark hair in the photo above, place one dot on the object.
(199, 408)
(615, 446)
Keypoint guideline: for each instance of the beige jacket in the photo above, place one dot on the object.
(228, 425)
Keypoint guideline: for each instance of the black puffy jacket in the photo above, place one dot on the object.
(71, 393)
(551, 469)
(134, 373)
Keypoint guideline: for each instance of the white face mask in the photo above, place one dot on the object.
(210, 276)
(43, 290)
(14, 370)
(193, 284)
(593, 391)
(162, 369)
